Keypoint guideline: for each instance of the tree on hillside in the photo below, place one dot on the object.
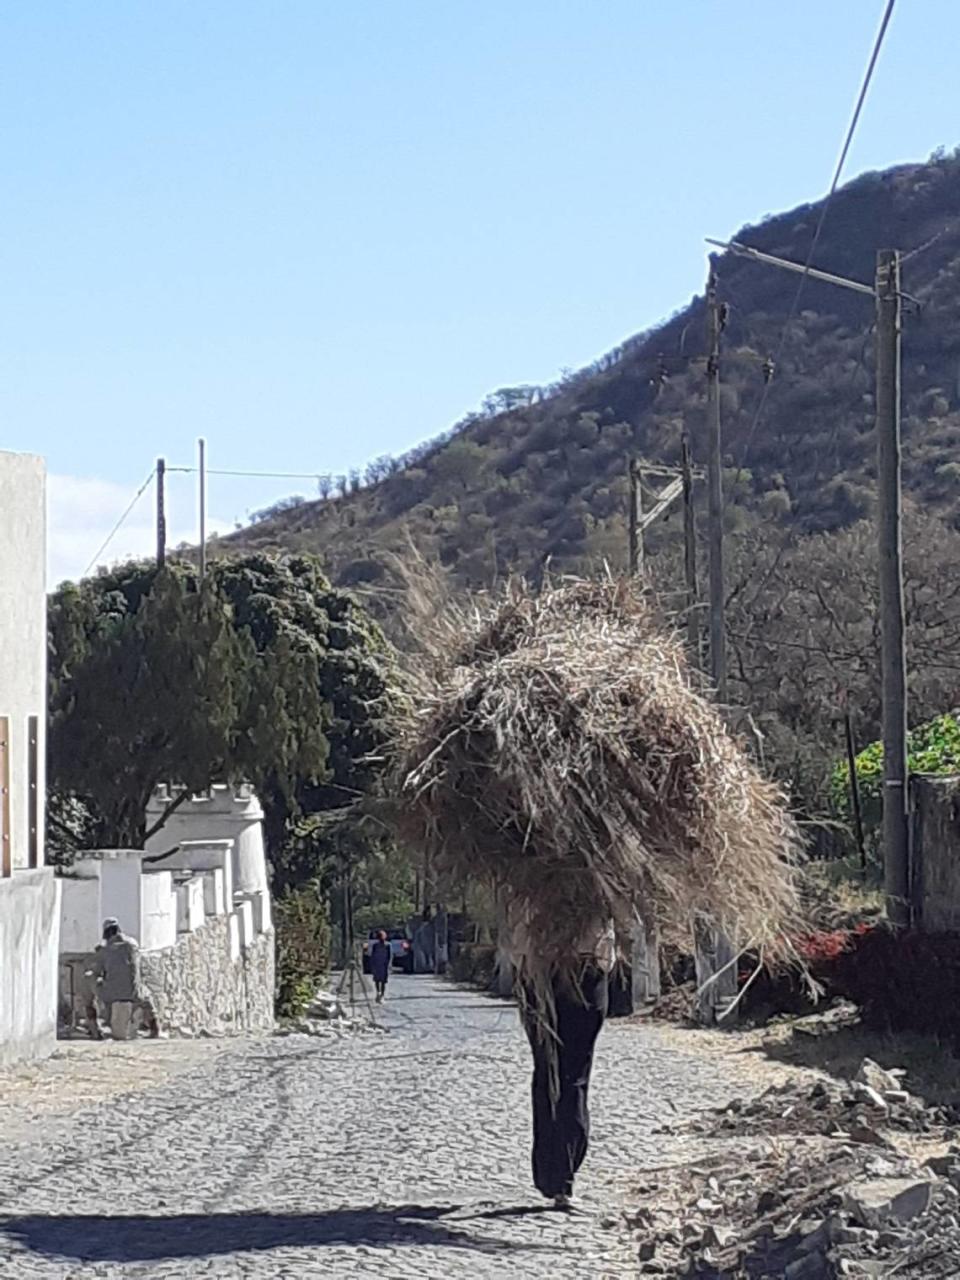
(265, 673)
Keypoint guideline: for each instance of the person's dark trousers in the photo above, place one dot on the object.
(561, 1124)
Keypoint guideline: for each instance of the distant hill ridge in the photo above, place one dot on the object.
(541, 472)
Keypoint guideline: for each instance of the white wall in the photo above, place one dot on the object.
(29, 899)
(158, 911)
(190, 907)
(121, 889)
(204, 855)
(29, 917)
(80, 915)
(226, 813)
(23, 632)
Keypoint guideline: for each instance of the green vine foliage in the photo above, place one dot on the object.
(932, 748)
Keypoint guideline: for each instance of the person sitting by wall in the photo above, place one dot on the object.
(117, 978)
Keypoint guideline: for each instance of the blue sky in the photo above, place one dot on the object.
(314, 232)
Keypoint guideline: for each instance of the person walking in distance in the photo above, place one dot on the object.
(562, 1020)
(380, 964)
(116, 975)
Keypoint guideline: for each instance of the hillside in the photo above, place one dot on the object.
(541, 471)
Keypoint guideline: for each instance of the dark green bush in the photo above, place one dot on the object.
(302, 925)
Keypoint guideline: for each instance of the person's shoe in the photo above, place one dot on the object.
(563, 1202)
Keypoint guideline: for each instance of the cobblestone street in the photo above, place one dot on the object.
(379, 1155)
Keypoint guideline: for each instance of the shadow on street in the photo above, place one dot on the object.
(147, 1238)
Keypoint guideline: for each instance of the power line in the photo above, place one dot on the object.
(844, 151)
(116, 528)
(262, 475)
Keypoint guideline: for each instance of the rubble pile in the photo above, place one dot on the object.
(819, 1182)
(326, 1016)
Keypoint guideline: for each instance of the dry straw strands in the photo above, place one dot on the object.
(553, 745)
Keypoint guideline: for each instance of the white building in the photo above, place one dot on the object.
(197, 901)
(29, 893)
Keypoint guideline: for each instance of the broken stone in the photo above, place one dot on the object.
(717, 1237)
(841, 1233)
(769, 1200)
(942, 1166)
(892, 1239)
(647, 1250)
(864, 1093)
(816, 1236)
(876, 1077)
(875, 1202)
(812, 1266)
(896, 1097)
(866, 1136)
(705, 1205)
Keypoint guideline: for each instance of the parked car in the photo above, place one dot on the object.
(401, 949)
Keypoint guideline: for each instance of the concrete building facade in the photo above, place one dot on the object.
(29, 893)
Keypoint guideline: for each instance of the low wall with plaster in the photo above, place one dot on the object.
(935, 853)
(29, 933)
(199, 987)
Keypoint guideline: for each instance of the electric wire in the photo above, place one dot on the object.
(844, 152)
(262, 475)
(117, 527)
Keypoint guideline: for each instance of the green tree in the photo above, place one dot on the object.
(290, 602)
(148, 678)
(264, 673)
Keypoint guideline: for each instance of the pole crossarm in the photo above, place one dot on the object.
(744, 251)
(673, 491)
(659, 469)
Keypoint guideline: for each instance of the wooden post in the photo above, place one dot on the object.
(855, 790)
(690, 554)
(202, 459)
(636, 521)
(714, 956)
(718, 645)
(644, 966)
(161, 513)
(896, 851)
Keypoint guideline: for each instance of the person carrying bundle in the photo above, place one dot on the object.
(554, 747)
(562, 1025)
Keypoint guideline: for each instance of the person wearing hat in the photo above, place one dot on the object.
(116, 973)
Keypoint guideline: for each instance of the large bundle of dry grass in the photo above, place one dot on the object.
(554, 746)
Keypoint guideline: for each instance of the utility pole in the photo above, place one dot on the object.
(887, 297)
(161, 513)
(202, 468)
(636, 521)
(718, 640)
(893, 649)
(690, 552)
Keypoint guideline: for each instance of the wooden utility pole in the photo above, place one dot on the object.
(636, 521)
(202, 468)
(718, 644)
(690, 552)
(161, 513)
(896, 850)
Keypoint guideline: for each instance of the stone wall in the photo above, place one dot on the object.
(200, 986)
